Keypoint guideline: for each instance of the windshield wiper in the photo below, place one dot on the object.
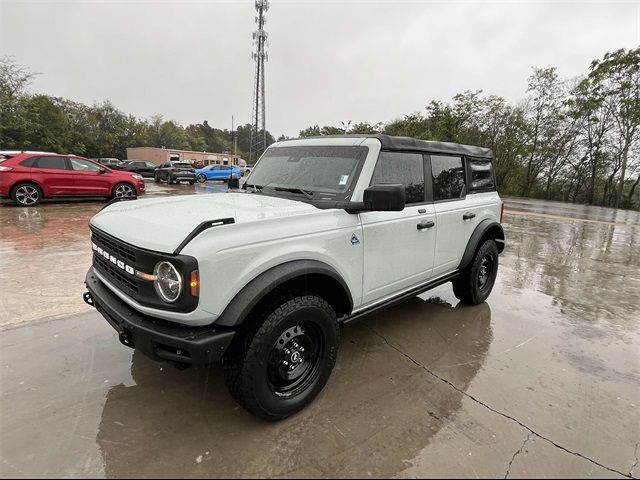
(306, 193)
(256, 188)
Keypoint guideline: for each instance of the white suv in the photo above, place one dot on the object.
(326, 230)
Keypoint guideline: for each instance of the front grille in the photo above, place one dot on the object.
(117, 261)
(120, 278)
(115, 247)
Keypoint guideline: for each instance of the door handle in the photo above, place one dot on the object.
(423, 225)
(468, 216)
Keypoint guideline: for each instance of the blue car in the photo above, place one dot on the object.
(217, 172)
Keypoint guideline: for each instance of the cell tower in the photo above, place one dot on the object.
(259, 131)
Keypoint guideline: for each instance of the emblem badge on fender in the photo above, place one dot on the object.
(354, 239)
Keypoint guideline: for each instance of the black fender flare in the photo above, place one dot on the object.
(487, 228)
(257, 289)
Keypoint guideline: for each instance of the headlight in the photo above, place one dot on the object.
(137, 177)
(168, 282)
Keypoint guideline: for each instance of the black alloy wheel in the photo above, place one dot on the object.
(295, 359)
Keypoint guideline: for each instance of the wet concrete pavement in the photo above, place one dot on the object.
(541, 380)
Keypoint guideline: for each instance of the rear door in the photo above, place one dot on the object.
(54, 174)
(89, 178)
(455, 215)
(398, 246)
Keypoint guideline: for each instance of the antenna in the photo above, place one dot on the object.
(259, 54)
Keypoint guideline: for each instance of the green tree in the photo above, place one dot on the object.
(618, 77)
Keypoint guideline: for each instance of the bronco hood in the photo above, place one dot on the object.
(161, 224)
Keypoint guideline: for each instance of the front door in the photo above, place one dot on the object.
(89, 178)
(398, 246)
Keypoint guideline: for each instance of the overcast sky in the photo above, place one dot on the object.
(328, 60)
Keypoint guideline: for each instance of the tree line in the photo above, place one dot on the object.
(574, 140)
(54, 124)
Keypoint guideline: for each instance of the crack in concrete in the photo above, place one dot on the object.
(479, 402)
(635, 464)
(518, 452)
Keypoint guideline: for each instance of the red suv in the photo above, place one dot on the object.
(27, 178)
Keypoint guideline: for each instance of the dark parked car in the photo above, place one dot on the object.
(141, 167)
(114, 163)
(175, 172)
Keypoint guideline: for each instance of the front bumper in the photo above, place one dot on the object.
(157, 339)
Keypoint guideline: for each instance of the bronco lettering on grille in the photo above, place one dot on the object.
(108, 256)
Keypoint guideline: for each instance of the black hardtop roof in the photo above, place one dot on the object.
(414, 144)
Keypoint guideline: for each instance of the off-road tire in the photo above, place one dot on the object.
(247, 363)
(26, 194)
(468, 287)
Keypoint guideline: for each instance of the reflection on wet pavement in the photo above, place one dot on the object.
(542, 380)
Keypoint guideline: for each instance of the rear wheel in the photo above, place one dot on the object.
(122, 190)
(282, 365)
(26, 194)
(202, 178)
(475, 284)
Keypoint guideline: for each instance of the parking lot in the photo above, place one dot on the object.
(541, 380)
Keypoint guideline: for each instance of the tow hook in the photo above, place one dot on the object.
(88, 298)
(125, 338)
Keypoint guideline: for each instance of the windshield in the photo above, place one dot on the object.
(326, 172)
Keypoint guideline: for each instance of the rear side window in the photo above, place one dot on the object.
(51, 163)
(404, 168)
(480, 176)
(448, 177)
(29, 162)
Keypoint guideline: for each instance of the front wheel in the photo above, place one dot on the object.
(474, 285)
(280, 368)
(123, 190)
(156, 178)
(202, 178)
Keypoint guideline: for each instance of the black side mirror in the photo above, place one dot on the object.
(385, 198)
(102, 170)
